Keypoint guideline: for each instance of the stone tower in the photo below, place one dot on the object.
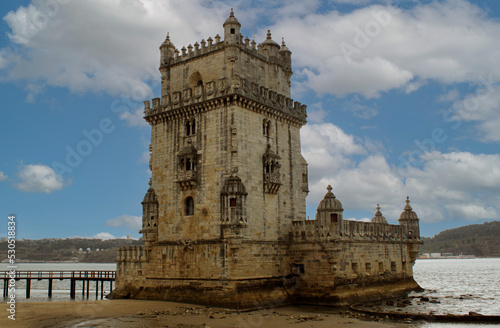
(224, 218)
(228, 177)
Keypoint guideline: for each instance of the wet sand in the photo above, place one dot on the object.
(137, 313)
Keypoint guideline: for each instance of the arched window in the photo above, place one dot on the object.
(189, 206)
(191, 127)
(266, 128)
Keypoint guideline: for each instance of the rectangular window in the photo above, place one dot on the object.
(232, 202)
(393, 266)
(380, 266)
(334, 217)
(368, 266)
(354, 267)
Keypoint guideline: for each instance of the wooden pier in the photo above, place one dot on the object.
(73, 276)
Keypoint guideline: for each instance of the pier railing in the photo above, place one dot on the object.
(58, 274)
(85, 276)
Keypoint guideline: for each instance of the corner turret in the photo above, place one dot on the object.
(167, 51)
(150, 217)
(232, 29)
(410, 219)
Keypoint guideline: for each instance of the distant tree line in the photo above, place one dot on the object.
(481, 240)
(69, 249)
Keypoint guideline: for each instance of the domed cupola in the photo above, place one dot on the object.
(410, 219)
(330, 202)
(270, 45)
(150, 196)
(167, 50)
(378, 218)
(232, 29)
(408, 213)
(329, 209)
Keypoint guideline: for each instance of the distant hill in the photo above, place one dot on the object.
(69, 249)
(481, 240)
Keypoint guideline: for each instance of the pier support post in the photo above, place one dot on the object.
(102, 289)
(28, 288)
(72, 289)
(50, 288)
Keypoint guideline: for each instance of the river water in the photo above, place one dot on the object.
(456, 286)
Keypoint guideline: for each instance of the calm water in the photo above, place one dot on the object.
(459, 286)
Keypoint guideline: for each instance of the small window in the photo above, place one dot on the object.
(191, 127)
(189, 165)
(232, 202)
(334, 217)
(233, 31)
(200, 83)
(298, 268)
(380, 266)
(393, 266)
(368, 266)
(266, 128)
(189, 206)
(354, 267)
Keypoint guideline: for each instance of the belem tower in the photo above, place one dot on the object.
(224, 218)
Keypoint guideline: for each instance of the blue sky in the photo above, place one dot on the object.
(403, 99)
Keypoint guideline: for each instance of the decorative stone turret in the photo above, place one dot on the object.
(150, 217)
(378, 218)
(167, 51)
(410, 219)
(232, 29)
(330, 209)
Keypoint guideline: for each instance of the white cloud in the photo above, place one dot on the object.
(109, 46)
(103, 236)
(316, 113)
(145, 157)
(33, 91)
(445, 41)
(359, 110)
(39, 178)
(130, 221)
(135, 118)
(3, 176)
(482, 107)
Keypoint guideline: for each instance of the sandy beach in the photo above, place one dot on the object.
(137, 313)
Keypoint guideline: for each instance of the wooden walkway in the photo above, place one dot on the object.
(73, 276)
